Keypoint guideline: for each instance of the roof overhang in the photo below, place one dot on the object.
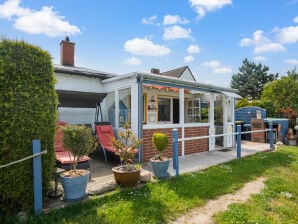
(231, 94)
(79, 99)
(152, 79)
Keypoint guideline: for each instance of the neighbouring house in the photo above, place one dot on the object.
(153, 102)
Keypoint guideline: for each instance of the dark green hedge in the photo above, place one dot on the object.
(28, 110)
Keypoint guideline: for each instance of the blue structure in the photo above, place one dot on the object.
(280, 125)
(247, 113)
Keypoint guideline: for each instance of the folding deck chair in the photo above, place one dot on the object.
(64, 157)
(105, 134)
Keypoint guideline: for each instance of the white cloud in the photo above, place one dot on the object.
(174, 19)
(260, 58)
(12, 8)
(217, 68)
(211, 64)
(193, 49)
(204, 6)
(271, 47)
(46, 21)
(133, 61)
(292, 61)
(288, 35)
(145, 47)
(261, 43)
(150, 20)
(176, 32)
(222, 70)
(188, 58)
(295, 19)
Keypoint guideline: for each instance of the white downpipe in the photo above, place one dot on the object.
(181, 115)
(116, 109)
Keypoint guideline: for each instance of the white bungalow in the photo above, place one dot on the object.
(153, 102)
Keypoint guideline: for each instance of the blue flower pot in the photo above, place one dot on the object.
(75, 187)
(160, 168)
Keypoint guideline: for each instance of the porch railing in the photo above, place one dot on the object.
(238, 134)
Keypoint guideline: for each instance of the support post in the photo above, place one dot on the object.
(37, 177)
(271, 136)
(140, 117)
(239, 142)
(175, 151)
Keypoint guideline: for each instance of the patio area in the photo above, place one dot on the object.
(102, 179)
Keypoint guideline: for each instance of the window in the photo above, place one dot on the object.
(164, 109)
(193, 112)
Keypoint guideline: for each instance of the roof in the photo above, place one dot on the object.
(72, 70)
(176, 73)
(154, 79)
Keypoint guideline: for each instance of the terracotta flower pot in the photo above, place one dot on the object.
(127, 178)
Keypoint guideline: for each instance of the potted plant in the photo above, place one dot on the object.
(80, 141)
(159, 163)
(127, 174)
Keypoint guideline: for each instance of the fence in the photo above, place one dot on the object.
(37, 175)
(237, 134)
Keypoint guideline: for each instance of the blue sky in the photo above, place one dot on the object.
(212, 37)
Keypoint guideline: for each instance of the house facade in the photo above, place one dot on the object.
(152, 102)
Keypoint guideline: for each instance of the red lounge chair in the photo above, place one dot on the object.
(64, 157)
(105, 134)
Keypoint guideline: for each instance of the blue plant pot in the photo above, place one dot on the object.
(160, 168)
(75, 187)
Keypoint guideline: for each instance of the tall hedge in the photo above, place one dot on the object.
(28, 110)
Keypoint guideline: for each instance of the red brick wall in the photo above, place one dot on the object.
(257, 124)
(192, 146)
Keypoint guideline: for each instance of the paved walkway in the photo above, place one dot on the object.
(102, 178)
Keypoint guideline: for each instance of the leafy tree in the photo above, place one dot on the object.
(283, 93)
(251, 79)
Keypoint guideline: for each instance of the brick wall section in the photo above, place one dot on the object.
(257, 124)
(193, 146)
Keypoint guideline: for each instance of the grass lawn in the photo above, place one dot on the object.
(165, 200)
(277, 203)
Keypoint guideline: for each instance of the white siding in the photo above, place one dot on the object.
(78, 83)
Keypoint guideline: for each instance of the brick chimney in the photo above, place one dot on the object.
(155, 71)
(67, 52)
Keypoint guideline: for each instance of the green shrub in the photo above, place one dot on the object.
(160, 142)
(28, 103)
(80, 141)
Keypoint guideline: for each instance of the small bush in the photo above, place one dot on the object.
(160, 142)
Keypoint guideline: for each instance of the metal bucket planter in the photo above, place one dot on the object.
(127, 178)
(75, 187)
(160, 168)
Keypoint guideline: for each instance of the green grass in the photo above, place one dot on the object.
(277, 203)
(159, 202)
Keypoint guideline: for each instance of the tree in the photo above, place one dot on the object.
(251, 79)
(283, 93)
